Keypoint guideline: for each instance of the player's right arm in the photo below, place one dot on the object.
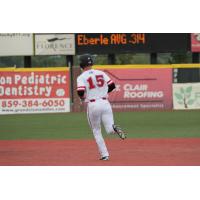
(80, 88)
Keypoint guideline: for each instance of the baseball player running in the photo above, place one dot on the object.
(93, 87)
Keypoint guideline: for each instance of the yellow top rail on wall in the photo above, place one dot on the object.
(42, 69)
(147, 66)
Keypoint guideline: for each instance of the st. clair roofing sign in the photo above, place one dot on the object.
(16, 44)
(140, 89)
(54, 44)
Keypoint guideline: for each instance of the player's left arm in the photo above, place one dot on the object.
(110, 83)
(111, 87)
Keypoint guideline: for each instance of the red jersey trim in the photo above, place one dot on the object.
(81, 88)
(109, 82)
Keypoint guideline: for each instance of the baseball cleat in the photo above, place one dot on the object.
(104, 158)
(119, 131)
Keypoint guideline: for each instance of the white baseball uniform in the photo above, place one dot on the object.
(95, 85)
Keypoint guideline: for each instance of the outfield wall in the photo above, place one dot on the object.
(138, 87)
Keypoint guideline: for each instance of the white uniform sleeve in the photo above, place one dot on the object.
(107, 79)
(80, 84)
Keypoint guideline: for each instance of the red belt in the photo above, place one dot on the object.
(93, 100)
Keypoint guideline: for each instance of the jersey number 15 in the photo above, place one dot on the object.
(99, 80)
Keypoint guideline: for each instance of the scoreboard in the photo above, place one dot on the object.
(111, 39)
(104, 43)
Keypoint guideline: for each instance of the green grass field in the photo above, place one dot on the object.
(75, 126)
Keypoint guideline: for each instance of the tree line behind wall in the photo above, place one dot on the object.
(120, 59)
(180, 75)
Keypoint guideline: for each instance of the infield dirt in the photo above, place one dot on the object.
(131, 152)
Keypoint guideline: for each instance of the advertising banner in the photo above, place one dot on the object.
(141, 89)
(34, 90)
(195, 42)
(16, 44)
(54, 44)
(186, 96)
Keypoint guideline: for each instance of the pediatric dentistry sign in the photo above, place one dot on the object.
(34, 90)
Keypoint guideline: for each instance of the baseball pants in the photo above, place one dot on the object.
(99, 112)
